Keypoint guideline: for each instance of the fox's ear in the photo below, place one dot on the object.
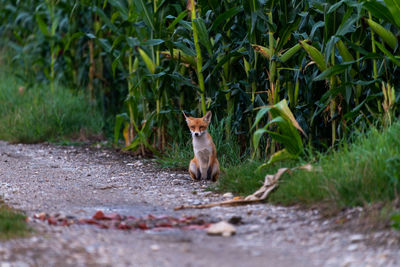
(186, 117)
(207, 117)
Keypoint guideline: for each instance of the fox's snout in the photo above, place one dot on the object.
(197, 134)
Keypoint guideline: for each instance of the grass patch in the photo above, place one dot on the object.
(365, 173)
(245, 178)
(242, 179)
(12, 223)
(35, 114)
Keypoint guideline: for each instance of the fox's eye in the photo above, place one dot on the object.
(192, 127)
(202, 128)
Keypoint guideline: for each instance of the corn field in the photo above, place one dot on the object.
(335, 64)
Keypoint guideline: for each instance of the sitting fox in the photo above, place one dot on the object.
(205, 164)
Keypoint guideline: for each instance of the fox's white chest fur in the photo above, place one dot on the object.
(202, 149)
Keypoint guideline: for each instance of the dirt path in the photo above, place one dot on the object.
(79, 181)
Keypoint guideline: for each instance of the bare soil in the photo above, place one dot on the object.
(78, 181)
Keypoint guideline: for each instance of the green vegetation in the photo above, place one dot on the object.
(144, 61)
(12, 223)
(34, 114)
(365, 172)
(242, 179)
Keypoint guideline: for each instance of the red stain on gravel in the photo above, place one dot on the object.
(121, 222)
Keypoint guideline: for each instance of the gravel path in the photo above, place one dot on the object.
(79, 181)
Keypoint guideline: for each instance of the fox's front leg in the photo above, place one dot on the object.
(194, 169)
(213, 169)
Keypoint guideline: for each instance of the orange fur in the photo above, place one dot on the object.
(205, 164)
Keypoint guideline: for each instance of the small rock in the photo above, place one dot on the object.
(221, 228)
(155, 247)
(228, 195)
(352, 247)
(356, 238)
(196, 202)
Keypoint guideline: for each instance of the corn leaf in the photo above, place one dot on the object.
(225, 17)
(182, 15)
(379, 10)
(329, 72)
(42, 25)
(315, 55)
(151, 66)
(203, 34)
(387, 53)
(394, 8)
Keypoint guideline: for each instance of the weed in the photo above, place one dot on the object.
(12, 223)
(35, 114)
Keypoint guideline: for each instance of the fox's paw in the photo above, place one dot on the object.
(194, 176)
(209, 171)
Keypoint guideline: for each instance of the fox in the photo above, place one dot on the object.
(205, 164)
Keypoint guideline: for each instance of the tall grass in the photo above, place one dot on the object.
(366, 171)
(35, 114)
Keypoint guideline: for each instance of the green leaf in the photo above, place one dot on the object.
(287, 32)
(387, 53)
(120, 5)
(284, 111)
(182, 15)
(203, 34)
(280, 156)
(335, 6)
(119, 119)
(188, 51)
(394, 8)
(257, 136)
(225, 17)
(379, 10)
(153, 42)
(73, 37)
(42, 25)
(105, 44)
(347, 26)
(315, 55)
(151, 66)
(105, 19)
(115, 64)
(260, 115)
(337, 69)
(120, 39)
(288, 128)
(147, 18)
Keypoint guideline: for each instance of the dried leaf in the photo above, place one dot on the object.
(99, 215)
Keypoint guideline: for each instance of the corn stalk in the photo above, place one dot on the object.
(199, 63)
